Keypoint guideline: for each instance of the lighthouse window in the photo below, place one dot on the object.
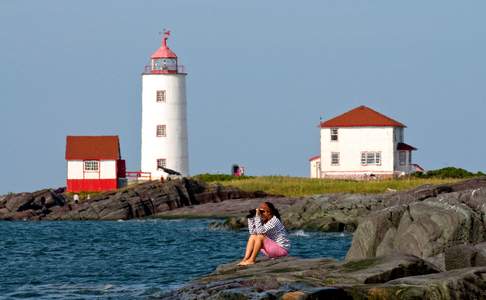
(161, 130)
(91, 166)
(161, 163)
(161, 96)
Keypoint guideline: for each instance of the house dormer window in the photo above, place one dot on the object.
(334, 134)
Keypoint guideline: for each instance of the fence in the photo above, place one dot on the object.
(139, 176)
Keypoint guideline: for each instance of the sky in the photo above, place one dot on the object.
(260, 76)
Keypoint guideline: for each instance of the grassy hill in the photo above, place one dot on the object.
(300, 186)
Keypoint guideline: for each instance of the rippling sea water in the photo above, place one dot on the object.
(137, 259)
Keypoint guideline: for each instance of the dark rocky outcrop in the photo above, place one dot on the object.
(389, 277)
(138, 201)
(437, 222)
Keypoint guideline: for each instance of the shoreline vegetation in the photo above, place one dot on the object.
(301, 186)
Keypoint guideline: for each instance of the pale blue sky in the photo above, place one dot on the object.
(260, 74)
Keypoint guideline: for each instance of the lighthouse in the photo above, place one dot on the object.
(164, 116)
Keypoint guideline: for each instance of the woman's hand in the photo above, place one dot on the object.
(258, 212)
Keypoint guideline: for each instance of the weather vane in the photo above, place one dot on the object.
(165, 35)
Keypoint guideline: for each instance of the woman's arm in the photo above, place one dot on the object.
(251, 226)
(261, 228)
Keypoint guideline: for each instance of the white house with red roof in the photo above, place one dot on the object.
(94, 163)
(362, 143)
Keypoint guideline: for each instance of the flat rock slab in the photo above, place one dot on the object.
(228, 208)
(294, 278)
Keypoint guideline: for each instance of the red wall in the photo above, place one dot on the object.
(91, 185)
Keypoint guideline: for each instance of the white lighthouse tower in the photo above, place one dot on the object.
(164, 120)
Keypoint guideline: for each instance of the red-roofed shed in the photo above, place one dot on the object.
(94, 163)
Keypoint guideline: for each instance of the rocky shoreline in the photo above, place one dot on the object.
(425, 243)
(138, 201)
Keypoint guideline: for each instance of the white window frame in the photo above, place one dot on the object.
(335, 158)
(161, 131)
(371, 158)
(161, 162)
(91, 166)
(334, 134)
(402, 157)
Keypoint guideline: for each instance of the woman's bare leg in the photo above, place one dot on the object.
(257, 245)
(249, 247)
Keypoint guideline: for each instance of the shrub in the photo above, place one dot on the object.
(206, 177)
(448, 172)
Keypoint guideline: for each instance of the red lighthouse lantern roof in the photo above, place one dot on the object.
(164, 51)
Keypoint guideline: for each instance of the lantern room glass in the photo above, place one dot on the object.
(164, 64)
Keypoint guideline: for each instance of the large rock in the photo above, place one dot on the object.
(425, 227)
(376, 233)
(292, 278)
(336, 212)
(464, 256)
(460, 284)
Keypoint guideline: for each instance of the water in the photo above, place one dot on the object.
(137, 259)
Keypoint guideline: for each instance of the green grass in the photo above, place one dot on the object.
(300, 186)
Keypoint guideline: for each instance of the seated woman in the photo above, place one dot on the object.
(267, 234)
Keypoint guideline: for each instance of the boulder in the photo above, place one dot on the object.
(14, 202)
(464, 256)
(376, 233)
(426, 227)
(460, 284)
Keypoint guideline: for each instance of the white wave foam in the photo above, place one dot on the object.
(300, 233)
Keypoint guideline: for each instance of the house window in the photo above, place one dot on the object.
(91, 166)
(334, 134)
(335, 158)
(161, 163)
(370, 158)
(161, 130)
(402, 157)
(161, 96)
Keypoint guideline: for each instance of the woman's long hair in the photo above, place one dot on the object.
(273, 210)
